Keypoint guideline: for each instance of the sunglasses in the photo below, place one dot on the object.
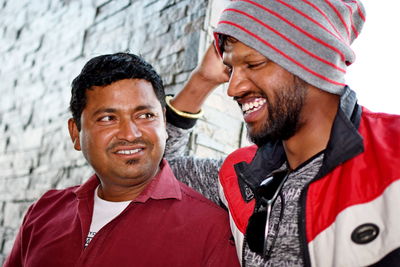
(257, 228)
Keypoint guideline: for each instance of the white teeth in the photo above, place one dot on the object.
(129, 152)
(253, 106)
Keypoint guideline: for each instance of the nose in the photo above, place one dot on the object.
(239, 84)
(128, 130)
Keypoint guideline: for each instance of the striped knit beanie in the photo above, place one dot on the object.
(309, 38)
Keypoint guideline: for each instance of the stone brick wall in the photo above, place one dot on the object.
(45, 43)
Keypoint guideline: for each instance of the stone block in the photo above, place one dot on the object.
(30, 139)
(215, 10)
(13, 213)
(215, 117)
(190, 56)
(8, 238)
(204, 140)
(220, 101)
(75, 176)
(104, 38)
(38, 8)
(11, 7)
(110, 8)
(2, 146)
(182, 77)
(158, 29)
(14, 188)
(152, 7)
(7, 100)
(174, 12)
(16, 163)
(204, 128)
(98, 3)
(207, 152)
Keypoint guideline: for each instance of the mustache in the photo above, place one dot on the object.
(258, 94)
(138, 141)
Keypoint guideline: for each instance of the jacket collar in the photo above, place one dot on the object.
(344, 143)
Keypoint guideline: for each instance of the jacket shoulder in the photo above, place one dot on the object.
(383, 121)
(230, 194)
(242, 154)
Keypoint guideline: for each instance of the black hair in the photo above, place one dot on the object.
(107, 69)
(223, 40)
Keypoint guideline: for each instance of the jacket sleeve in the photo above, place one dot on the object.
(199, 173)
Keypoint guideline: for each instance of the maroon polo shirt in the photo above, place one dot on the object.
(168, 224)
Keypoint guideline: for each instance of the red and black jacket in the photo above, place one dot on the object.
(349, 212)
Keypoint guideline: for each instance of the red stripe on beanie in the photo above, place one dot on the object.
(353, 28)
(360, 13)
(340, 18)
(310, 19)
(282, 53)
(287, 39)
(300, 29)
(326, 17)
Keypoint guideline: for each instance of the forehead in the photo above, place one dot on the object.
(235, 49)
(127, 93)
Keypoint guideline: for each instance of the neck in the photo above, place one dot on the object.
(317, 116)
(118, 193)
(124, 189)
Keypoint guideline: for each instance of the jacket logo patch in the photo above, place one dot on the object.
(246, 191)
(365, 233)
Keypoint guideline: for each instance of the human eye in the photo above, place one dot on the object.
(256, 64)
(147, 116)
(229, 70)
(106, 118)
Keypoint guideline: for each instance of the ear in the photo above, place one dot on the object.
(165, 115)
(165, 123)
(74, 134)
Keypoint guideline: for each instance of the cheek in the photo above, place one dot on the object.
(95, 139)
(157, 135)
(271, 79)
(263, 82)
(162, 137)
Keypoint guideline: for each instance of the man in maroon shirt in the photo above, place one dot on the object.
(132, 211)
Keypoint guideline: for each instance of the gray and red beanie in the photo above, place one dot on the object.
(309, 38)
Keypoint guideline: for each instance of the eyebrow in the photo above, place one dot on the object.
(114, 110)
(104, 110)
(226, 63)
(246, 57)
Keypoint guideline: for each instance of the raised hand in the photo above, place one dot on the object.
(210, 73)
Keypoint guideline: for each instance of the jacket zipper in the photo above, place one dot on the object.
(302, 231)
(243, 250)
(302, 218)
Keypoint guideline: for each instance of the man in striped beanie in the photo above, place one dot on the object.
(321, 185)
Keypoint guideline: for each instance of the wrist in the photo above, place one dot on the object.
(203, 81)
(182, 113)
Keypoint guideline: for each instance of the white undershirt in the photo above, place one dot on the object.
(103, 212)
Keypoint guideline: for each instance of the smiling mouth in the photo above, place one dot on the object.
(129, 151)
(250, 107)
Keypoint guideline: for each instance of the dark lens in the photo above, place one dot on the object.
(268, 189)
(255, 231)
(265, 195)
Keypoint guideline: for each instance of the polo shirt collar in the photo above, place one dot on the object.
(162, 186)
